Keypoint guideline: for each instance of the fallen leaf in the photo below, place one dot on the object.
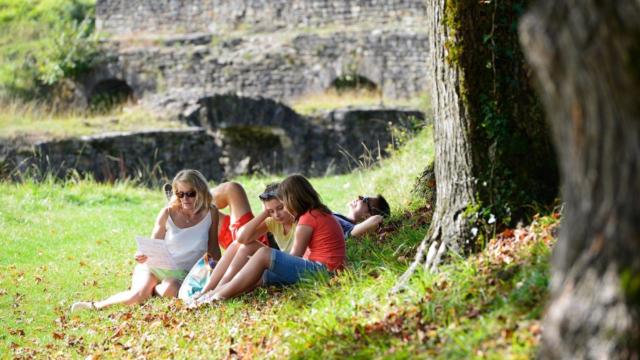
(506, 333)
(155, 324)
(442, 284)
(90, 282)
(122, 346)
(120, 330)
(472, 313)
(16, 332)
(58, 336)
(508, 233)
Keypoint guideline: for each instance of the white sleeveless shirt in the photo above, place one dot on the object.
(187, 245)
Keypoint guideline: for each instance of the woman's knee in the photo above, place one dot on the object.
(234, 187)
(139, 296)
(263, 255)
(247, 249)
(168, 289)
(234, 246)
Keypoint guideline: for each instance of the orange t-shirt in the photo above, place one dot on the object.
(327, 240)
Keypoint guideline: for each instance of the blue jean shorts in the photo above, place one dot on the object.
(287, 269)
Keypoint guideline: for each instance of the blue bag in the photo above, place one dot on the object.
(197, 278)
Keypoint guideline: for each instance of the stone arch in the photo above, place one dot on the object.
(108, 93)
(255, 134)
(354, 82)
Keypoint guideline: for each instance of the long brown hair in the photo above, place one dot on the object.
(299, 196)
(195, 179)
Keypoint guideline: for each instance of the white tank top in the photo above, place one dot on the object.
(187, 245)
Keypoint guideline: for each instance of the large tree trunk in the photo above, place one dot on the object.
(586, 55)
(493, 151)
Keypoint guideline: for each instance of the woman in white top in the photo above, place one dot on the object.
(274, 219)
(190, 229)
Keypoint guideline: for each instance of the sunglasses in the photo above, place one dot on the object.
(181, 194)
(268, 195)
(367, 200)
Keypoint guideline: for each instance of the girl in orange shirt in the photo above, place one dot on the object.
(318, 245)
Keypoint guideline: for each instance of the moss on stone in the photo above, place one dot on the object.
(630, 283)
(261, 137)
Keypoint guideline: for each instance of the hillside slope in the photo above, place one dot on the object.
(74, 240)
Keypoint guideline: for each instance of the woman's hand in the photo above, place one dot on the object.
(140, 258)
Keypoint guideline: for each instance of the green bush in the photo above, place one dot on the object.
(43, 42)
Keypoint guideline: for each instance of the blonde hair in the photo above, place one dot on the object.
(195, 179)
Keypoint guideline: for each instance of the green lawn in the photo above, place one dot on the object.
(68, 241)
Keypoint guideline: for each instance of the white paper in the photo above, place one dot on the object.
(158, 255)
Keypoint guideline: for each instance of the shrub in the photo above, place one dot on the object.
(43, 42)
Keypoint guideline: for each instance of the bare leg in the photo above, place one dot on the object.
(233, 195)
(142, 285)
(248, 277)
(243, 254)
(168, 288)
(221, 267)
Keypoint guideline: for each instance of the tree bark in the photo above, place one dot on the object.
(493, 152)
(586, 57)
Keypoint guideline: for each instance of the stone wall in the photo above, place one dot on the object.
(261, 135)
(273, 66)
(132, 16)
(281, 49)
(232, 136)
(147, 155)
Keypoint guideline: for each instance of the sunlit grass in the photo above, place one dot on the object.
(73, 240)
(332, 99)
(69, 241)
(38, 121)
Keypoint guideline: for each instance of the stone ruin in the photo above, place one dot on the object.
(229, 136)
(228, 69)
(275, 49)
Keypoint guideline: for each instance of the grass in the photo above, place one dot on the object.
(33, 120)
(37, 121)
(65, 241)
(312, 103)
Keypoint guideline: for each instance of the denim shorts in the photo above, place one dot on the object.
(287, 269)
